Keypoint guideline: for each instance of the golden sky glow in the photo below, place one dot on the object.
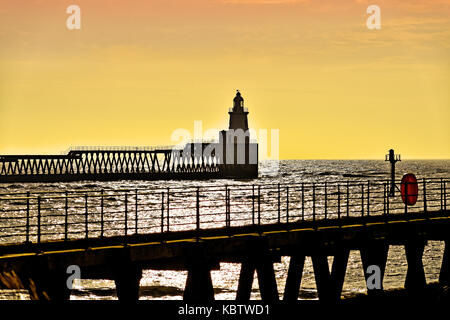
(138, 70)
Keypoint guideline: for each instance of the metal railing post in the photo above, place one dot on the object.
(314, 202)
(227, 213)
(406, 197)
(326, 201)
(287, 204)
(368, 198)
(424, 195)
(339, 201)
(303, 201)
(229, 207)
(348, 199)
(445, 196)
(86, 215)
(253, 204)
(126, 214)
(388, 195)
(38, 219)
(28, 219)
(162, 212)
(66, 216)
(259, 205)
(198, 210)
(279, 204)
(362, 200)
(136, 212)
(168, 208)
(102, 213)
(384, 198)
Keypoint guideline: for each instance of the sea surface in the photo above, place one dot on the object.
(170, 284)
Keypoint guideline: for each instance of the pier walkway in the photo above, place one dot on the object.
(115, 234)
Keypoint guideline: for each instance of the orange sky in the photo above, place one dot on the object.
(139, 70)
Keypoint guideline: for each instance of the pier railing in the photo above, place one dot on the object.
(38, 217)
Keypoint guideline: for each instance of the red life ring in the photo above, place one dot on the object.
(409, 189)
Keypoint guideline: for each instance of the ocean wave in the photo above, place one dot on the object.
(328, 173)
(356, 175)
(18, 203)
(307, 294)
(16, 186)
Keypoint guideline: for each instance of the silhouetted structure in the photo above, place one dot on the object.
(239, 154)
(393, 159)
(115, 234)
(234, 156)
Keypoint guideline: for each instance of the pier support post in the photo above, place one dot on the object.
(48, 284)
(199, 287)
(338, 271)
(444, 276)
(294, 278)
(261, 261)
(266, 280)
(245, 280)
(374, 254)
(322, 276)
(127, 278)
(415, 276)
(45, 279)
(329, 284)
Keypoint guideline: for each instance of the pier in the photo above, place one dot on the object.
(233, 155)
(115, 234)
(109, 164)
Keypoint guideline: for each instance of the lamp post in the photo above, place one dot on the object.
(393, 159)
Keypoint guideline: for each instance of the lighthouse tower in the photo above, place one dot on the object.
(239, 156)
(238, 114)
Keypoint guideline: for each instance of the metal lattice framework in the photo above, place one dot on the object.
(95, 162)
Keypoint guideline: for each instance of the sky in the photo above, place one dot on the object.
(138, 71)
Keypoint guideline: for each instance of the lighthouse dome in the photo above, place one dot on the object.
(238, 96)
(238, 101)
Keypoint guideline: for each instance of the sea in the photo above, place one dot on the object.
(169, 285)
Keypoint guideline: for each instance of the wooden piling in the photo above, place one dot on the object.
(415, 276)
(374, 254)
(294, 278)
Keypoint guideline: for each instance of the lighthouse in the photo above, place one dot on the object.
(238, 114)
(239, 155)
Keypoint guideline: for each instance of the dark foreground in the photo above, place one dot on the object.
(433, 293)
(432, 302)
